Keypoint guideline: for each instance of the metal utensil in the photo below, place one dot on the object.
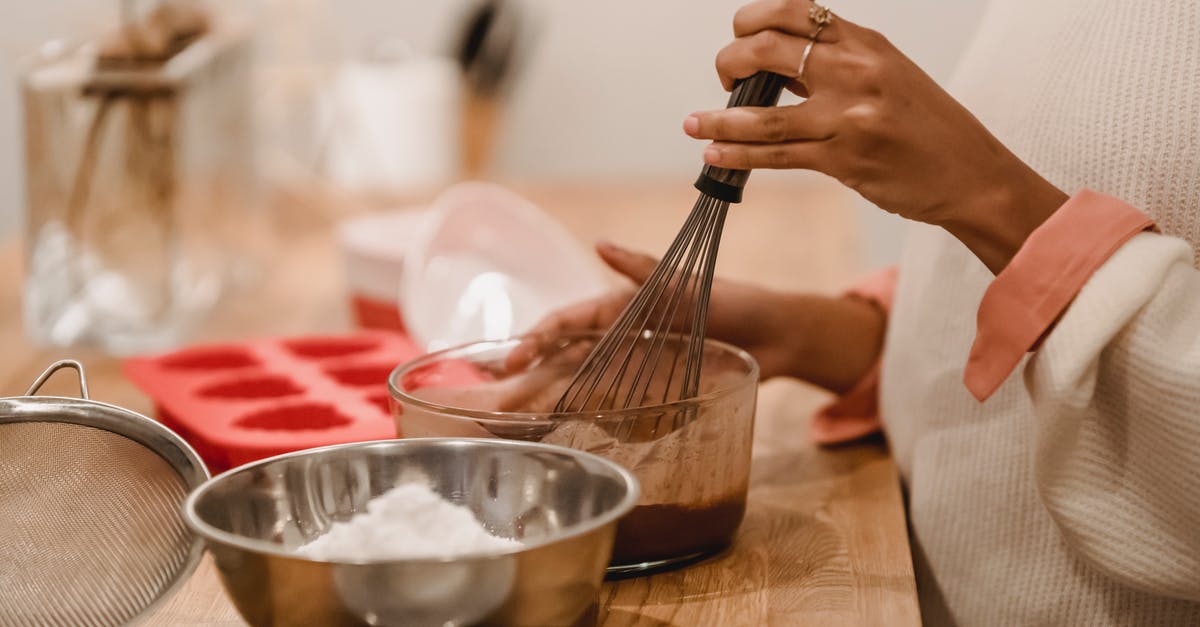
(561, 503)
(90, 497)
(653, 352)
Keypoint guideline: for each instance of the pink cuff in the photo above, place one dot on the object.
(855, 414)
(1025, 300)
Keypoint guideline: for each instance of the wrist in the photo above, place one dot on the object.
(995, 223)
(832, 341)
(779, 334)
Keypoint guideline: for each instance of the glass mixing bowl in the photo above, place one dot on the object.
(692, 457)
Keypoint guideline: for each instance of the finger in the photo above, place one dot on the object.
(769, 50)
(637, 267)
(788, 16)
(804, 121)
(596, 313)
(804, 155)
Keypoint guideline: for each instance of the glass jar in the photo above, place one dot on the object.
(691, 457)
(138, 180)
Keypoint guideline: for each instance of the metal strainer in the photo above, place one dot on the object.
(91, 524)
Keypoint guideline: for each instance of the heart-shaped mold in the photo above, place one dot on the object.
(305, 417)
(210, 359)
(327, 347)
(254, 387)
(361, 376)
(382, 401)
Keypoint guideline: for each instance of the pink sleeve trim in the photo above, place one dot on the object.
(855, 414)
(1025, 300)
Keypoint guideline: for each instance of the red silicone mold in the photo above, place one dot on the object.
(235, 403)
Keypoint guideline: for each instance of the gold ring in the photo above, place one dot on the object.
(821, 17)
(804, 62)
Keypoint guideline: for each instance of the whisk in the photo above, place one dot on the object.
(653, 352)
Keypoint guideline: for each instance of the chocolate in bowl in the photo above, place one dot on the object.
(691, 457)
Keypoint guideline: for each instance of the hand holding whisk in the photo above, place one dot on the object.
(653, 353)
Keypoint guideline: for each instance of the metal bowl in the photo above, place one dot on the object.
(561, 503)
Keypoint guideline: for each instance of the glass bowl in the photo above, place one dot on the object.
(692, 457)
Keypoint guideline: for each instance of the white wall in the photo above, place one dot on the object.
(605, 91)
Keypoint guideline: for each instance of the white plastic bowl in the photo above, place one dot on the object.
(488, 264)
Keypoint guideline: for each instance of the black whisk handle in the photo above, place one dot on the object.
(761, 90)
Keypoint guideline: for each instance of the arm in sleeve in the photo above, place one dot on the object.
(1112, 313)
(1116, 388)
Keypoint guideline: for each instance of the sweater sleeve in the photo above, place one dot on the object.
(1116, 389)
(1023, 303)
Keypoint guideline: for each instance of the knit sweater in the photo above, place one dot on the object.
(1072, 495)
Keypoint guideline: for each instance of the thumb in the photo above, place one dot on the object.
(636, 266)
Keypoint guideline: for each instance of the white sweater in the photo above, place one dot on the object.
(1072, 496)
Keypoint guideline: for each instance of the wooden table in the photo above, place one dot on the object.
(824, 540)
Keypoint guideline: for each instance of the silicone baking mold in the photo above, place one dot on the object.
(236, 403)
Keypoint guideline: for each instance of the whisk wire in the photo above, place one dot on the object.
(658, 336)
(700, 322)
(622, 367)
(644, 333)
(634, 316)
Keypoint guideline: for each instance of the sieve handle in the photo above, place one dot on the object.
(55, 367)
(761, 90)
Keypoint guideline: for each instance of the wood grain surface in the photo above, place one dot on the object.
(824, 540)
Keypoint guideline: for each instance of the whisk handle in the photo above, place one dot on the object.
(761, 90)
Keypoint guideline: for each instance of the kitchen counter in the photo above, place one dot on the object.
(824, 539)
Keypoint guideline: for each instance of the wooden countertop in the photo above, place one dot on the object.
(824, 540)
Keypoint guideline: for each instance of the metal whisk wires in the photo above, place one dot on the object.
(653, 352)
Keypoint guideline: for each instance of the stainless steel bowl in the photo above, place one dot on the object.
(561, 503)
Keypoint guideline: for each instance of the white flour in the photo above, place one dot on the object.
(407, 522)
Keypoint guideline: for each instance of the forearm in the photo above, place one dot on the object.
(994, 222)
(831, 342)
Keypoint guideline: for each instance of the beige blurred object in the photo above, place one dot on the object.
(140, 179)
(480, 122)
(161, 34)
(494, 37)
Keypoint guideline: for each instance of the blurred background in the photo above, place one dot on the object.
(599, 92)
(210, 176)
(162, 158)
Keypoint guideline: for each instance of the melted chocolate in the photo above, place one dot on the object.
(659, 532)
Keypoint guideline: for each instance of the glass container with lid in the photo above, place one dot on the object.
(138, 168)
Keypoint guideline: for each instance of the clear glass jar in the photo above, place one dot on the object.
(691, 457)
(136, 182)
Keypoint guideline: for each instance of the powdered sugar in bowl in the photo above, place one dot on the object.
(524, 532)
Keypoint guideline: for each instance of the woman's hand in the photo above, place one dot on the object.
(830, 342)
(877, 123)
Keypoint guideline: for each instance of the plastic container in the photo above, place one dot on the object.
(489, 264)
(691, 457)
(240, 402)
(373, 251)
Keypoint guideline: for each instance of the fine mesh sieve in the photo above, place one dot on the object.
(91, 510)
